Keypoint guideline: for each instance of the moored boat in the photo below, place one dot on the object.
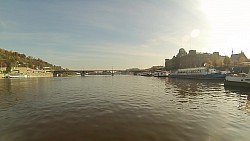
(197, 73)
(146, 74)
(16, 76)
(238, 80)
(160, 74)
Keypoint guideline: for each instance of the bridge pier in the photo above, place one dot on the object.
(82, 73)
(56, 74)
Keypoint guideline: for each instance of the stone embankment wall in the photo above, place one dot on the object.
(41, 75)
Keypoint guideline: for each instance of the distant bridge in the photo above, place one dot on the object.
(57, 73)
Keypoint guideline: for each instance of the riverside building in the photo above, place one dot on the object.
(194, 59)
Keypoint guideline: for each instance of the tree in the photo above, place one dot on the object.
(14, 59)
(8, 67)
(226, 61)
(241, 60)
(154, 68)
(209, 62)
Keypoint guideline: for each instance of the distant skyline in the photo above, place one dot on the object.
(101, 34)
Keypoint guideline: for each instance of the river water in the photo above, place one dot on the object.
(124, 108)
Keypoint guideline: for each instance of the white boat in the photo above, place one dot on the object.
(146, 74)
(238, 80)
(15, 76)
(197, 73)
(160, 74)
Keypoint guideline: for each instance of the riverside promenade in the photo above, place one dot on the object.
(19, 71)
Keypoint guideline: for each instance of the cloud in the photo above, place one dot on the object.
(33, 36)
(111, 49)
(2, 25)
(160, 39)
(139, 32)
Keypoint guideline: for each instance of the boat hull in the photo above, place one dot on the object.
(236, 84)
(237, 81)
(207, 76)
(197, 73)
(16, 76)
(160, 74)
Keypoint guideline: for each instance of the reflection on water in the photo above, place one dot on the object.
(122, 108)
(195, 87)
(243, 95)
(15, 90)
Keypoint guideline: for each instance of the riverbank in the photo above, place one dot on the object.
(28, 72)
(33, 75)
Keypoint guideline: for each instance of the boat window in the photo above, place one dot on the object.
(243, 75)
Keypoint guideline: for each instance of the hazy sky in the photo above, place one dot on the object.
(96, 34)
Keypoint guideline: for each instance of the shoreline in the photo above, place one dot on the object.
(35, 75)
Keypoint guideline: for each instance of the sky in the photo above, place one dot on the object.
(101, 34)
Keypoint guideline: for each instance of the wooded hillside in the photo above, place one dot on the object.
(14, 59)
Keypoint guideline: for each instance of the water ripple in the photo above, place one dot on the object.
(122, 108)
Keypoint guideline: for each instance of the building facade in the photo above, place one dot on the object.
(194, 59)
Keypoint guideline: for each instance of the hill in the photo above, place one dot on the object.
(10, 59)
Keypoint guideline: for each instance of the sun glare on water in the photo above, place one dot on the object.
(229, 22)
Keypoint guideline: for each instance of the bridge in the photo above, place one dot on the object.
(57, 73)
